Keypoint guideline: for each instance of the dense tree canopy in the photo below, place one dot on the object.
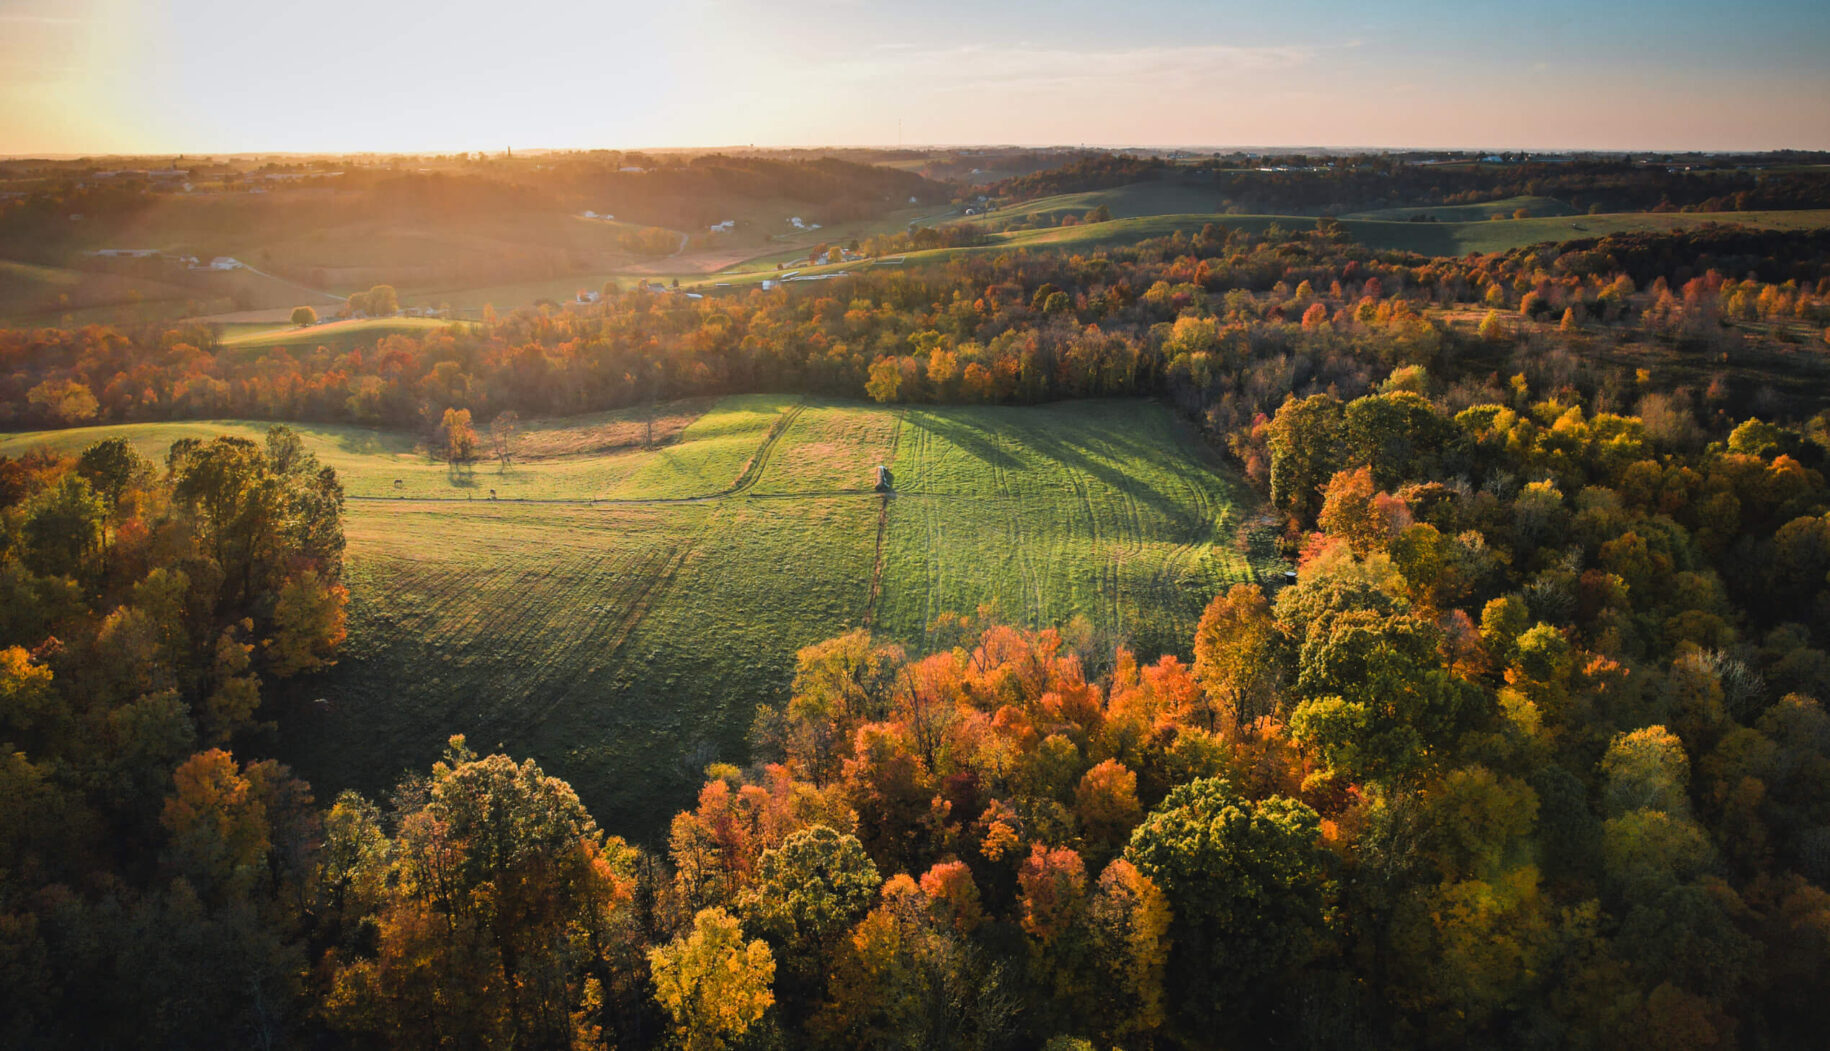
(1531, 753)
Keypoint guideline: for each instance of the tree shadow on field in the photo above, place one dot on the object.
(1120, 439)
(1075, 457)
(974, 440)
(364, 442)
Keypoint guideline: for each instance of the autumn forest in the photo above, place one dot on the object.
(1483, 706)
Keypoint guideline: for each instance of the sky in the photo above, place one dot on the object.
(244, 76)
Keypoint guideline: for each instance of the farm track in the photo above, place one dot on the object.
(644, 599)
(759, 460)
(870, 603)
(883, 524)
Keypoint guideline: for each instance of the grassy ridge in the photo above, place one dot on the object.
(335, 334)
(1424, 238)
(706, 458)
(1461, 213)
(625, 643)
(1438, 239)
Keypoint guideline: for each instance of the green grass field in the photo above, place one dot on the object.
(710, 454)
(1437, 239)
(1425, 238)
(335, 334)
(1540, 207)
(34, 294)
(620, 612)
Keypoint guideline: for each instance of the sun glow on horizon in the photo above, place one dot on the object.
(114, 76)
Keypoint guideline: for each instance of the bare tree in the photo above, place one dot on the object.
(502, 432)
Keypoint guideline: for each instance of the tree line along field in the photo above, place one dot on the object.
(618, 612)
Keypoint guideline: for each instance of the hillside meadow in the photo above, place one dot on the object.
(336, 334)
(618, 612)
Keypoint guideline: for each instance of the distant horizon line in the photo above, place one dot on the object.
(929, 148)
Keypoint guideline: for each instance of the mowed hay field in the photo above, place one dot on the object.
(619, 612)
(1108, 510)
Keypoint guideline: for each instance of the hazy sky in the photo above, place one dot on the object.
(90, 76)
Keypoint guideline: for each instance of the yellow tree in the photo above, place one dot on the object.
(308, 624)
(1348, 512)
(217, 822)
(1236, 658)
(65, 401)
(460, 436)
(712, 984)
(906, 977)
(1128, 923)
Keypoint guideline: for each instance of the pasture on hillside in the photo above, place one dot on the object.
(1540, 207)
(338, 335)
(1443, 239)
(619, 612)
(1424, 238)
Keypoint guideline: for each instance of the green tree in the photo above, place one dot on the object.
(501, 897)
(64, 528)
(808, 893)
(304, 316)
(1248, 884)
(240, 509)
(1305, 439)
(113, 466)
(1398, 434)
(1378, 702)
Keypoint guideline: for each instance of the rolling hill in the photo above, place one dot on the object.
(617, 612)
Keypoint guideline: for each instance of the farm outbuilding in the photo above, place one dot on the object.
(883, 483)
